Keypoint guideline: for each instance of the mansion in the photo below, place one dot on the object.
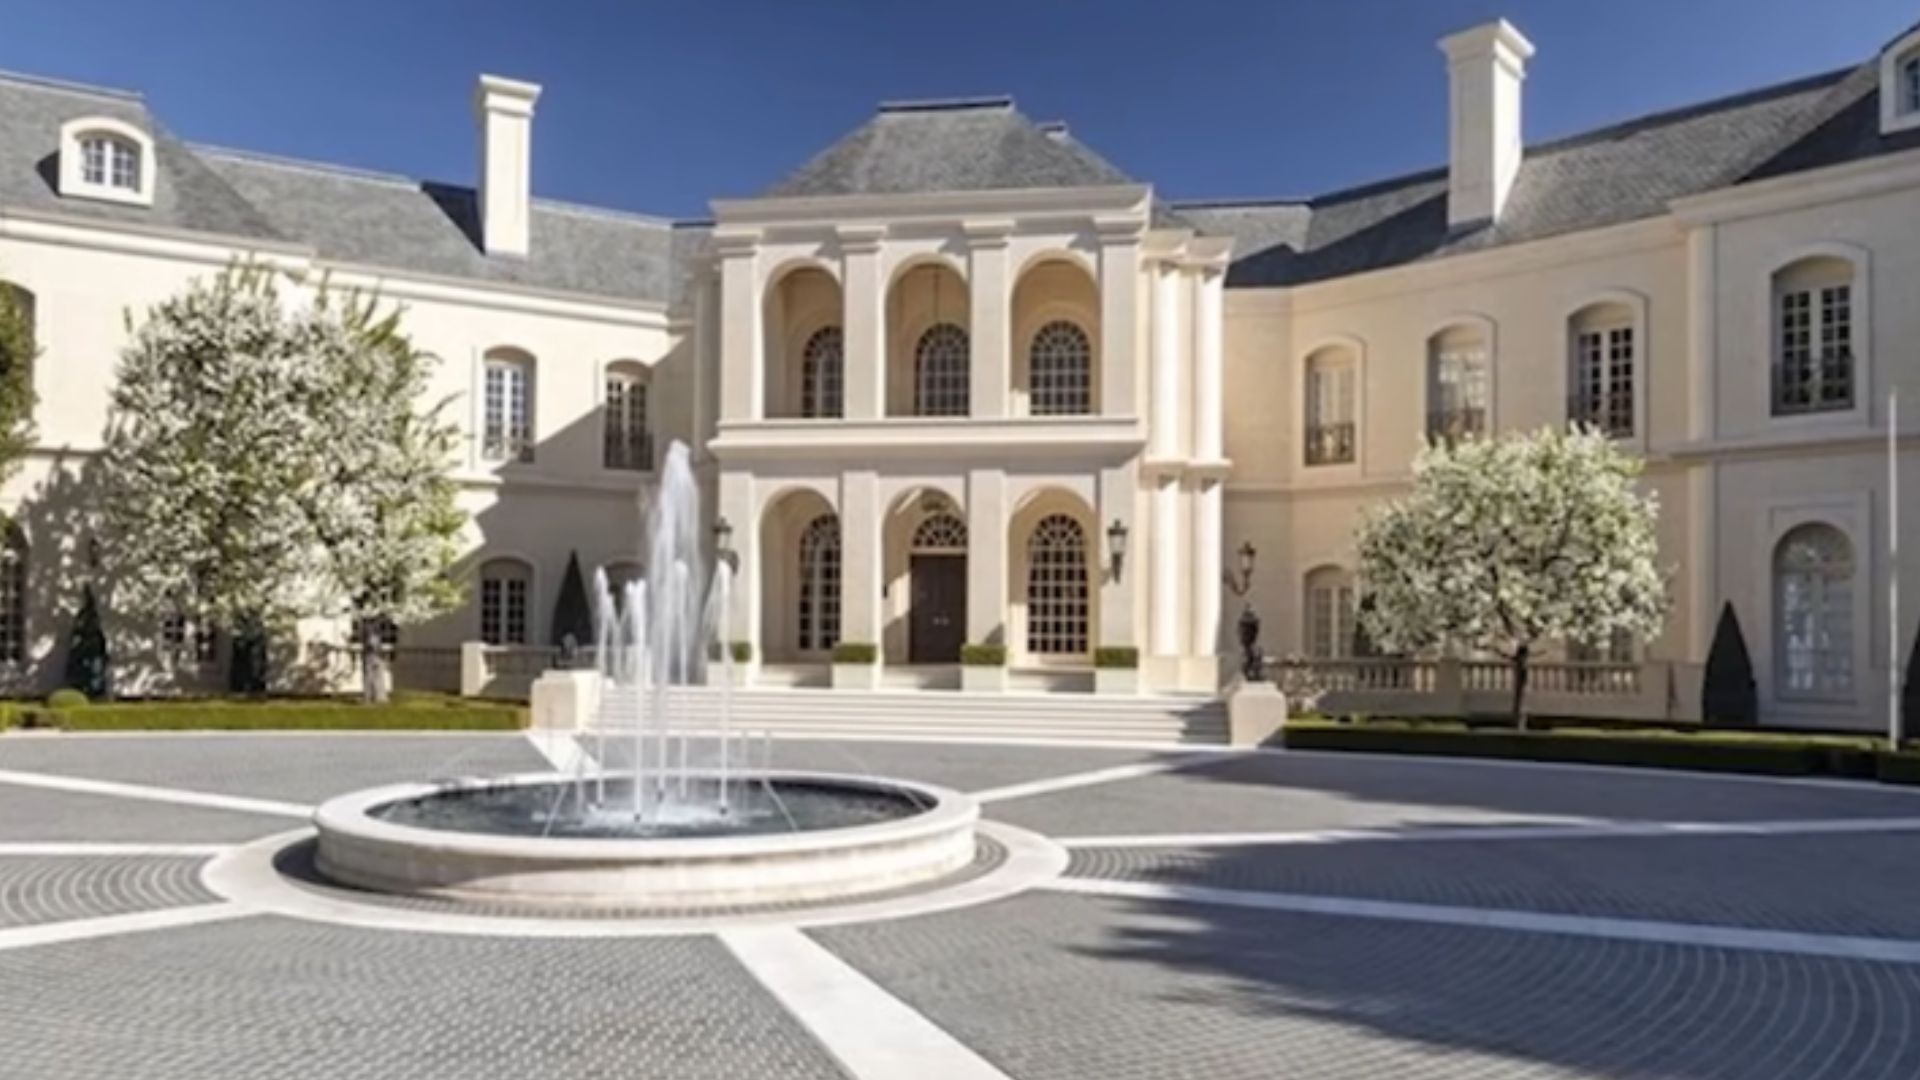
(959, 379)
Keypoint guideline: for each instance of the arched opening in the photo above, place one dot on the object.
(1459, 383)
(1056, 325)
(1813, 569)
(1602, 368)
(1053, 593)
(1329, 628)
(1813, 330)
(13, 596)
(507, 406)
(626, 424)
(1330, 426)
(925, 575)
(800, 563)
(805, 346)
(506, 601)
(929, 345)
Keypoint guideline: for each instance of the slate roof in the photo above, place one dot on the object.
(392, 222)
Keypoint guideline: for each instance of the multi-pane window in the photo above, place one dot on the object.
(629, 442)
(504, 588)
(509, 411)
(1813, 338)
(188, 639)
(1910, 84)
(1813, 613)
(1060, 371)
(1329, 433)
(940, 372)
(1603, 373)
(1330, 614)
(1616, 649)
(1057, 588)
(1457, 387)
(941, 532)
(110, 162)
(13, 597)
(823, 374)
(817, 610)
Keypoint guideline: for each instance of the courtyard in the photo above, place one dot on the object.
(1134, 912)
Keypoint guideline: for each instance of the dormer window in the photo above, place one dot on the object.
(1910, 84)
(1900, 85)
(106, 159)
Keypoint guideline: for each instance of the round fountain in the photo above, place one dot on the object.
(669, 805)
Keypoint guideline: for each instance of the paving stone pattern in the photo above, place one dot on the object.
(1055, 987)
(263, 998)
(41, 815)
(41, 890)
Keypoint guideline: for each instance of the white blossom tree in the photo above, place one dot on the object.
(1508, 543)
(384, 514)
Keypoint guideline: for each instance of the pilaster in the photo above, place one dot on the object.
(1204, 563)
(1208, 363)
(1164, 560)
(987, 569)
(1119, 315)
(860, 551)
(1120, 616)
(991, 377)
(863, 296)
(1164, 436)
(736, 505)
(741, 345)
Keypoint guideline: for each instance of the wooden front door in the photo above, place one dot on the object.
(938, 618)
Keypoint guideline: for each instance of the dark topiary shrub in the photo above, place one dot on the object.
(87, 649)
(983, 655)
(1727, 695)
(1111, 657)
(1910, 697)
(247, 674)
(856, 652)
(571, 613)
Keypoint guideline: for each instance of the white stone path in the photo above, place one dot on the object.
(874, 1034)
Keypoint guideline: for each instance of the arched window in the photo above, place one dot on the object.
(508, 422)
(1057, 588)
(13, 597)
(1813, 613)
(628, 435)
(1457, 385)
(822, 374)
(505, 588)
(108, 159)
(1813, 336)
(940, 372)
(818, 598)
(1329, 434)
(1601, 369)
(941, 532)
(1330, 614)
(1060, 371)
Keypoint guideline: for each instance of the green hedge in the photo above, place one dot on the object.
(976, 654)
(1848, 757)
(856, 652)
(414, 714)
(1122, 657)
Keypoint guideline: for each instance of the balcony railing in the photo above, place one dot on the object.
(1818, 382)
(632, 452)
(1612, 415)
(1653, 690)
(1330, 444)
(1452, 425)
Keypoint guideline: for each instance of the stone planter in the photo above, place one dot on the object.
(856, 676)
(1116, 680)
(984, 678)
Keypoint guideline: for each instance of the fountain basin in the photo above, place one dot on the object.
(933, 837)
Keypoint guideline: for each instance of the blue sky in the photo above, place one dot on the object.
(658, 107)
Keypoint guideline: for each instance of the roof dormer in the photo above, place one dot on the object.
(106, 159)
(1900, 84)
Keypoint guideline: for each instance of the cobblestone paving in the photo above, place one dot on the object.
(40, 890)
(1321, 791)
(37, 814)
(267, 998)
(1052, 987)
(1855, 884)
(296, 767)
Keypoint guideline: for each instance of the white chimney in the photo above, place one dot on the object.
(504, 108)
(1486, 66)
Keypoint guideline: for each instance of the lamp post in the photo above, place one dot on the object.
(723, 541)
(1240, 581)
(1117, 545)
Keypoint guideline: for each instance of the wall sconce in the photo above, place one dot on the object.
(1117, 546)
(723, 542)
(1240, 580)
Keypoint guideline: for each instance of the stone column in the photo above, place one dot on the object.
(1119, 613)
(1164, 557)
(991, 378)
(860, 557)
(1208, 363)
(863, 295)
(736, 504)
(1119, 315)
(1164, 438)
(742, 369)
(1203, 560)
(987, 547)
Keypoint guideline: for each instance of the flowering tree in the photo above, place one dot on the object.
(383, 515)
(1508, 543)
(17, 351)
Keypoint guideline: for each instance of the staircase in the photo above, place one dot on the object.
(935, 714)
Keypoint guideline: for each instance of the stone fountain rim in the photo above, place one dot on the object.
(350, 815)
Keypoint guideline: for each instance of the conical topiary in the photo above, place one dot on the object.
(571, 615)
(1727, 695)
(87, 649)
